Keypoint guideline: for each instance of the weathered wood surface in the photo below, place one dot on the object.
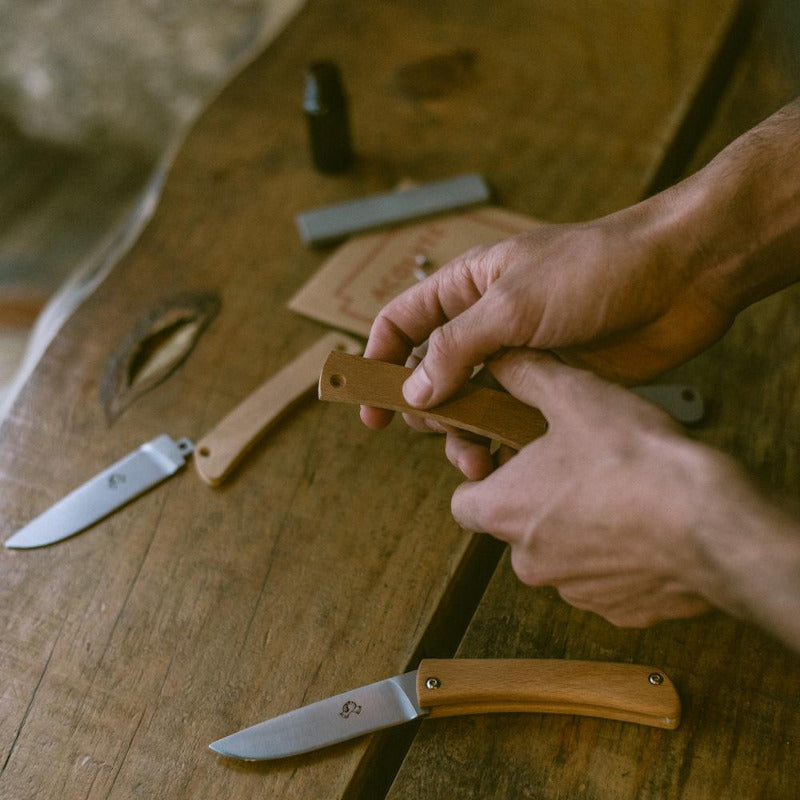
(330, 559)
(740, 735)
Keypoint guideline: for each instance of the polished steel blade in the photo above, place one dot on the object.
(336, 719)
(106, 492)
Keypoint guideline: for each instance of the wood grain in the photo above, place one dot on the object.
(740, 731)
(626, 692)
(347, 378)
(367, 271)
(331, 552)
(222, 448)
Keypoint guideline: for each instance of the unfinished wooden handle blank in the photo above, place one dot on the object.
(219, 451)
(627, 692)
(487, 412)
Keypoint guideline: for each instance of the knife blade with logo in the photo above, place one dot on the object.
(216, 454)
(450, 687)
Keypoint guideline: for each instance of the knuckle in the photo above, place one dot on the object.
(474, 259)
(418, 423)
(454, 446)
(577, 383)
(385, 329)
(527, 569)
(573, 598)
(615, 618)
(451, 355)
(507, 301)
(439, 343)
(515, 370)
(631, 618)
(483, 263)
(475, 255)
(465, 512)
(465, 272)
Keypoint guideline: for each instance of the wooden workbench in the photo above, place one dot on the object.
(330, 559)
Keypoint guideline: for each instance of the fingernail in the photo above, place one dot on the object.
(418, 388)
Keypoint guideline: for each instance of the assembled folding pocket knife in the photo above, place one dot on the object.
(450, 687)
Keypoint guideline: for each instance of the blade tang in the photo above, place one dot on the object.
(145, 467)
(683, 403)
(219, 451)
(479, 409)
(627, 692)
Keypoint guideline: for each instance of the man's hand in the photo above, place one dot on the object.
(602, 295)
(614, 506)
(627, 296)
(606, 504)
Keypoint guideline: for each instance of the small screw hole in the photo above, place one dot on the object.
(204, 451)
(337, 381)
(687, 395)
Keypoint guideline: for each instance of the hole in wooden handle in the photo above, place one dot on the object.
(486, 412)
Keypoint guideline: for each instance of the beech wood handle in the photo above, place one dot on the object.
(627, 692)
(219, 451)
(488, 412)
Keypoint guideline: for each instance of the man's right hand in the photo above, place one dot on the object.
(627, 296)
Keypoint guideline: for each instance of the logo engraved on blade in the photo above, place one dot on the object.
(350, 707)
(115, 480)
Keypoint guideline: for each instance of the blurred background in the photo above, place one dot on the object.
(96, 96)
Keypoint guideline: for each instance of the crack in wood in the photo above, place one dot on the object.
(156, 346)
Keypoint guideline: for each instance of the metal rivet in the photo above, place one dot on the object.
(433, 683)
(656, 678)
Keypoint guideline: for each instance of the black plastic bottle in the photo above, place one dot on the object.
(325, 106)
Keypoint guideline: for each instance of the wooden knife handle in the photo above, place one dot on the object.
(627, 692)
(218, 452)
(488, 412)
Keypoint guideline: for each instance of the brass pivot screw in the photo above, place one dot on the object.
(433, 683)
(656, 678)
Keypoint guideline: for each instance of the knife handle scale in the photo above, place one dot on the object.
(487, 412)
(219, 451)
(626, 692)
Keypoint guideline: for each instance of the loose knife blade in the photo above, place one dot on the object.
(450, 687)
(106, 492)
(217, 453)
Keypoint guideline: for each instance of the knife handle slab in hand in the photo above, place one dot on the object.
(487, 412)
(218, 452)
(627, 692)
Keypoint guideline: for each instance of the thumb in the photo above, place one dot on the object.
(454, 349)
(539, 379)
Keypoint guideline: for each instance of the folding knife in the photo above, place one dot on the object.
(450, 687)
